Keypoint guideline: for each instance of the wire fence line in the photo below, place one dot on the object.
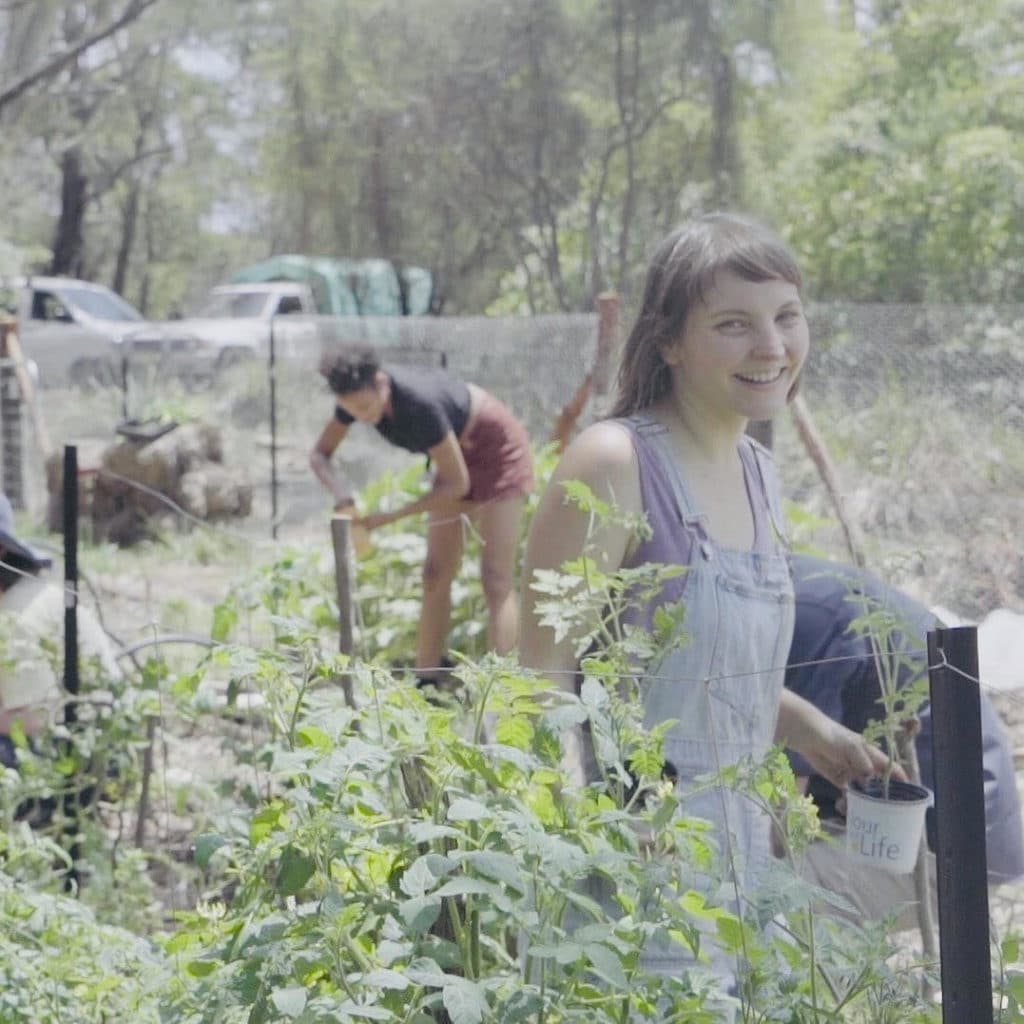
(970, 356)
(921, 405)
(534, 365)
(160, 636)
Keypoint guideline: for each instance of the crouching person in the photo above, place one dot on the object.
(831, 665)
(32, 641)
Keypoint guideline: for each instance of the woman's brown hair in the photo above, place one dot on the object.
(681, 271)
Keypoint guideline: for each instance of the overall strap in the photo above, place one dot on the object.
(769, 485)
(650, 430)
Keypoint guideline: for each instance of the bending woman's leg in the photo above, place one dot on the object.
(500, 521)
(444, 555)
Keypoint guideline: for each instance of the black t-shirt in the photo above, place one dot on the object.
(425, 405)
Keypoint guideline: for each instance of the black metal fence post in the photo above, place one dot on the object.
(71, 679)
(961, 868)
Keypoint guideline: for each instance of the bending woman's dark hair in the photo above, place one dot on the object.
(350, 368)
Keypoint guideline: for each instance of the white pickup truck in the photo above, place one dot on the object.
(236, 321)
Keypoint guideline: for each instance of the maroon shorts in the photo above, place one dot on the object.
(496, 448)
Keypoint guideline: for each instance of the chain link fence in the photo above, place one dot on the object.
(921, 408)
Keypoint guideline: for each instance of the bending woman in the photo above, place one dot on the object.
(482, 467)
(720, 340)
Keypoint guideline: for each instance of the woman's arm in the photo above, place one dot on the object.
(451, 485)
(839, 754)
(602, 457)
(331, 436)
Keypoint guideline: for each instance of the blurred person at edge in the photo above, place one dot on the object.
(482, 468)
(720, 340)
(31, 622)
(831, 664)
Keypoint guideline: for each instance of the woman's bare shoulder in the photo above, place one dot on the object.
(603, 457)
(606, 446)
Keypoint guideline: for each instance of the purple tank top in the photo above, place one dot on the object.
(672, 542)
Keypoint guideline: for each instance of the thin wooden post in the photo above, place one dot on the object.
(71, 678)
(961, 868)
(597, 381)
(609, 328)
(565, 425)
(344, 576)
(816, 449)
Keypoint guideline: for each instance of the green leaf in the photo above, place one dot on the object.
(463, 809)
(387, 979)
(266, 821)
(732, 932)
(420, 913)
(422, 875)
(607, 965)
(201, 968)
(367, 1010)
(224, 619)
(475, 887)
(427, 974)
(426, 831)
(289, 1001)
(465, 1001)
(206, 846)
(311, 736)
(501, 867)
(515, 731)
(294, 871)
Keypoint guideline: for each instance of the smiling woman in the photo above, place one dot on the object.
(720, 339)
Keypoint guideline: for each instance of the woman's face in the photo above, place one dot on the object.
(370, 403)
(741, 349)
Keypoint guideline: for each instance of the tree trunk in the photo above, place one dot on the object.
(724, 150)
(129, 222)
(68, 240)
(379, 193)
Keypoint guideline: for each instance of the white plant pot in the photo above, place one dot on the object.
(886, 833)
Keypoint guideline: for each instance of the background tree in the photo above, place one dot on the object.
(527, 155)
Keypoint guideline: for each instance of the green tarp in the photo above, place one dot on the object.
(348, 287)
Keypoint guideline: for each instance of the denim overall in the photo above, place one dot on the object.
(722, 688)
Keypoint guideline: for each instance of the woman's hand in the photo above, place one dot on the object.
(843, 756)
(839, 754)
(375, 519)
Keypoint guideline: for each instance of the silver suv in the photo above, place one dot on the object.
(76, 332)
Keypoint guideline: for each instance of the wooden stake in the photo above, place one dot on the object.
(341, 538)
(816, 449)
(28, 390)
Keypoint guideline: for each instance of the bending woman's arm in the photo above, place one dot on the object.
(451, 485)
(320, 462)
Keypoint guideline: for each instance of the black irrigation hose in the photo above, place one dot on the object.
(167, 638)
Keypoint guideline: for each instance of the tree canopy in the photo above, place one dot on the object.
(530, 154)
